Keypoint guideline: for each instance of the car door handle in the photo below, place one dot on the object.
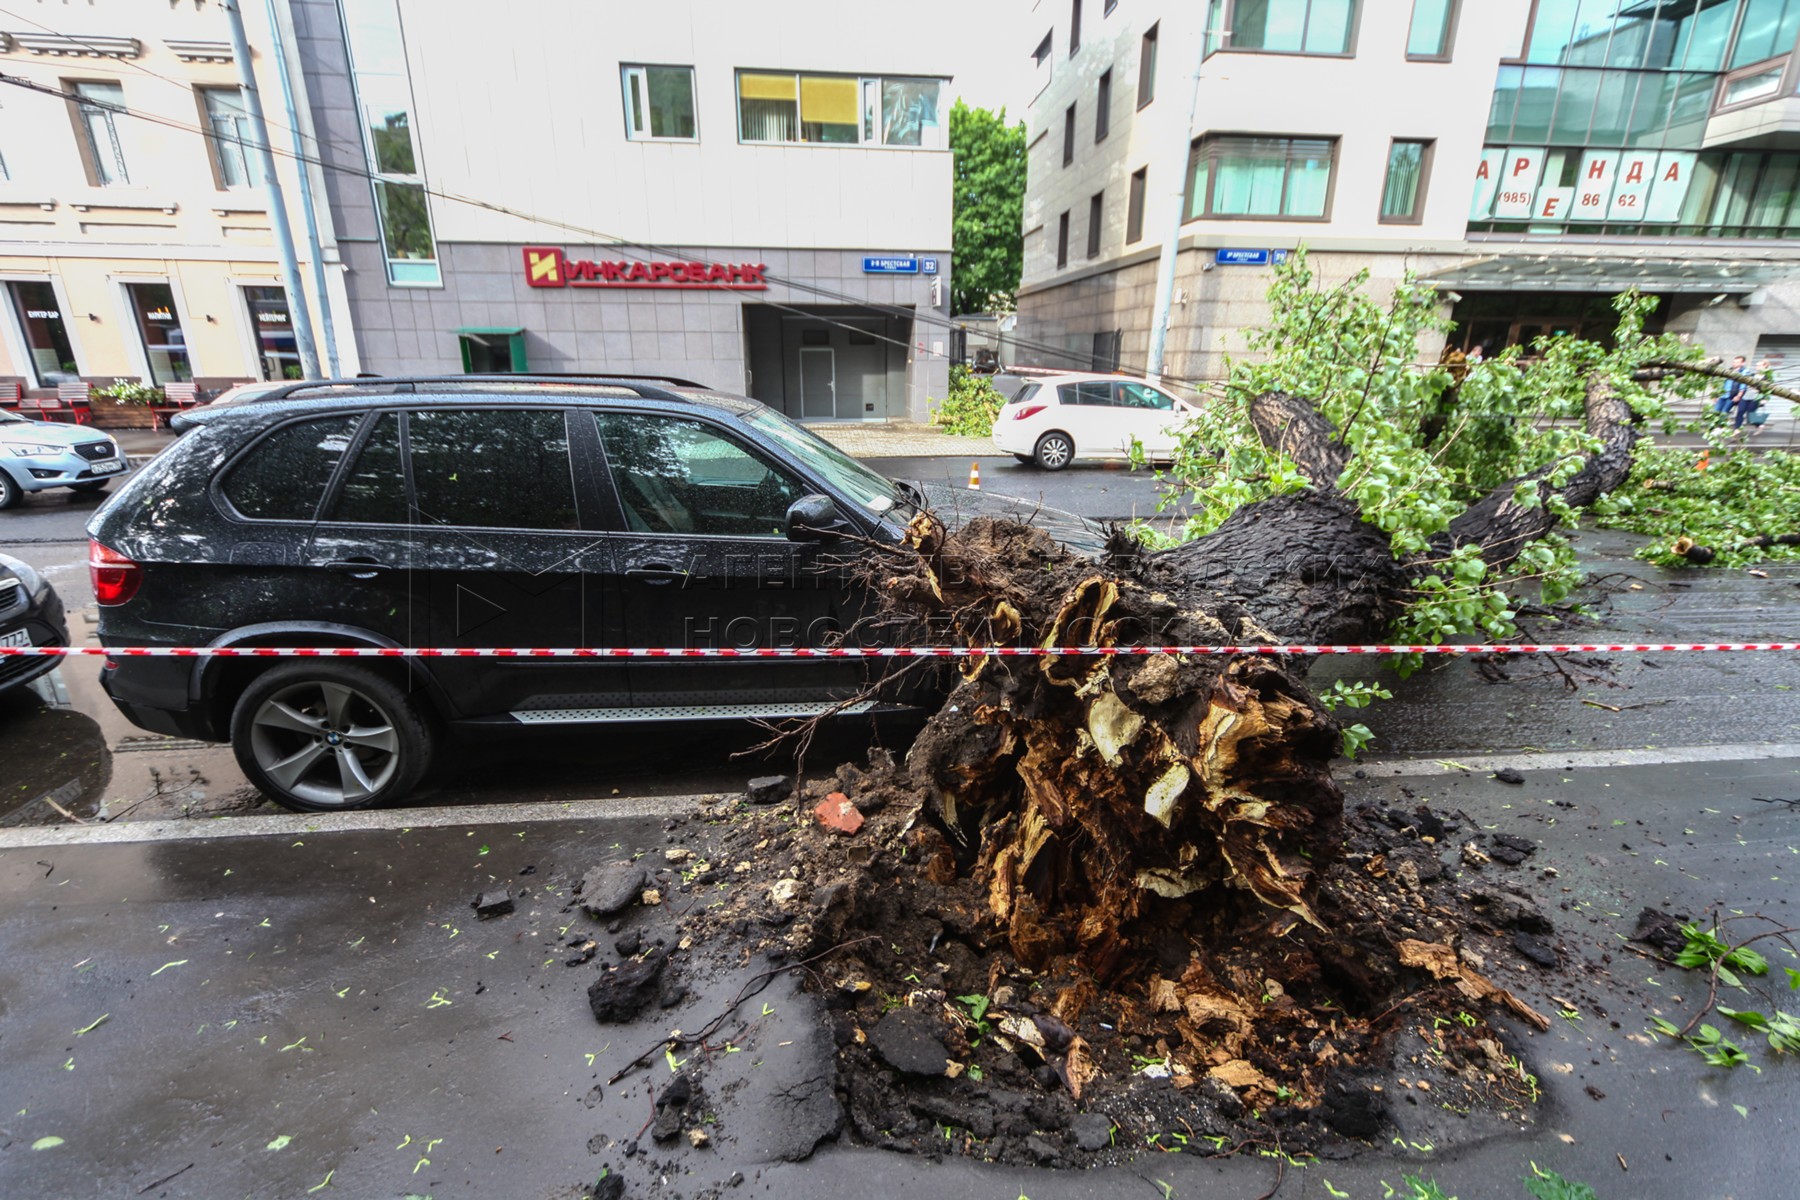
(357, 568)
(656, 575)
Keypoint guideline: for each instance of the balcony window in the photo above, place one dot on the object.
(659, 103)
(1282, 178)
(1768, 28)
(1292, 26)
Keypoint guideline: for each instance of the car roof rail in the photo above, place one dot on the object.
(642, 385)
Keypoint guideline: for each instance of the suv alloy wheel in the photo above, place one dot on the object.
(327, 737)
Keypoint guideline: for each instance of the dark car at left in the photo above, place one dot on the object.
(470, 513)
(31, 614)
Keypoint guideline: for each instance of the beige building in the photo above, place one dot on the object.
(134, 232)
(1529, 157)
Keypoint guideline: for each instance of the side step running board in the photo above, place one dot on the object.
(691, 712)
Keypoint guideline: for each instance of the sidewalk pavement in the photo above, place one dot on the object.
(902, 439)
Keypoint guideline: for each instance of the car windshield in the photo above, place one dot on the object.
(873, 491)
(12, 418)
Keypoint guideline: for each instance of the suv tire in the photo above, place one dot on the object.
(330, 737)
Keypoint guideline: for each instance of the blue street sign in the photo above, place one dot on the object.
(1249, 258)
(930, 265)
(891, 265)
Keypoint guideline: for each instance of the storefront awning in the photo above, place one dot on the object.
(491, 330)
(1567, 273)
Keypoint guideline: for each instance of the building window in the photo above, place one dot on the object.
(1062, 241)
(1074, 27)
(1069, 135)
(1103, 107)
(659, 103)
(230, 142)
(1147, 66)
(46, 333)
(1260, 177)
(1692, 35)
(1096, 209)
(1768, 28)
(160, 333)
(1041, 55)
(1292, 26)
(1134, 209)
(277, 356)
(839, 110)
(1403, 195)
(96, 119)
(384, 94)
(1107, 9)
(1433, 25)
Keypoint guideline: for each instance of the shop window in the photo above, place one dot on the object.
(1260, 177)
(160, 333)
(97, 125)
(1403, 193)
(1147, 66)
(230, 140)
(46, 332)
(1062, 241)
(492, 351)
(659, 103)
(1134, 208)
(492, 469)
(277, 354)
(1433, 23)
(1292, 26)
(283, 477)
(1096, 210)
(840, 110)
(1103, 107)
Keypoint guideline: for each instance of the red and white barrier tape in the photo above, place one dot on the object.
(846, 651)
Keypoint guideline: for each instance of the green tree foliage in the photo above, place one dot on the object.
(971, 407)
(988, 204)
(1425, 440)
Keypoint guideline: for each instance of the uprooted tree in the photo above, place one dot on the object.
(1342, 493)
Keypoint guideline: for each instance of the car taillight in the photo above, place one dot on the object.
(115, 577)
(1030, 410)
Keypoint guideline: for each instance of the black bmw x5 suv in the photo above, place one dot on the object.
(483, 512)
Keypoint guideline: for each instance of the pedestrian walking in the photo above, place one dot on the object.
(1750, 408)
(1734, 391)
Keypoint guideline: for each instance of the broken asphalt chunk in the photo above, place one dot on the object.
(911, 1041)
(769, 789)
(492, 904)
(1508, 775)
(607, 889)
(626, 990)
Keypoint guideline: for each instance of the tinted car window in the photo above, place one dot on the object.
(375, 489)
(284, 475)
(1140, 395)
(679, 476)
(1095, 393)
(497, 468)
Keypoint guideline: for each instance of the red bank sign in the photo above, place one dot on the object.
(548, 267)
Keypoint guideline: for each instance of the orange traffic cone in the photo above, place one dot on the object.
(974, 477)
(1705, 460)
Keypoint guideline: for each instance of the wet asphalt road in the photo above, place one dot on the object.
(256, 1015)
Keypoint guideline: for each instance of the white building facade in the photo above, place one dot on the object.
(736, 194)
(135, 238)
(1529, 157)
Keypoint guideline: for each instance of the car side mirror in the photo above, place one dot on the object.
(810, 517)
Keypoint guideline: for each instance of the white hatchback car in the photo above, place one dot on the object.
(1056, 419)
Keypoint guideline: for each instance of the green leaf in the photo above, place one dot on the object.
(280, 1143)
(49, 1142)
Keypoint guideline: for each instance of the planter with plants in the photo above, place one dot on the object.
(125, 404)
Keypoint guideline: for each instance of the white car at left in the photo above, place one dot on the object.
(37, 455)
(1055, 419)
